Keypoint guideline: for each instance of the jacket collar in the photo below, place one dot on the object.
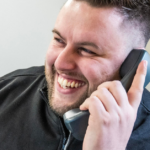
(44, 95)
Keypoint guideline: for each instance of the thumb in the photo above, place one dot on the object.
(136, 90)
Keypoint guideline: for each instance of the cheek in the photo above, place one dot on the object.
(92, 71)
(51, 56)
(99, 71)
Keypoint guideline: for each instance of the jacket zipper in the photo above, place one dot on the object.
(64, 135)
(66, 141)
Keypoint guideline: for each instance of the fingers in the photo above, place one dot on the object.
(94, 105)
(117, 91)
(111, 95)
(136, 89)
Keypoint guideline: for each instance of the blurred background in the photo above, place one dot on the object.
(25, 32)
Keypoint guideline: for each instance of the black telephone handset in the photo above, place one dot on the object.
(76, 120)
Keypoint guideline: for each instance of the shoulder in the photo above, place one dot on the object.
(22, 78)
(32, 71)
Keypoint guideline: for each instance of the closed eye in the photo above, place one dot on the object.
(86, 52)
(59, 40)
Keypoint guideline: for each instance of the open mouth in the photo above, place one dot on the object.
(67, 83)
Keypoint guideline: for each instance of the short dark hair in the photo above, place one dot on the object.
(134, 10)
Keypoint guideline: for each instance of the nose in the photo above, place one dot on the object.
(66, 60)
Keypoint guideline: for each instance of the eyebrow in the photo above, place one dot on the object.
(85, 43)
(57, 32)
(88, 44)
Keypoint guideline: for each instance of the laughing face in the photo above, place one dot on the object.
(87, 49)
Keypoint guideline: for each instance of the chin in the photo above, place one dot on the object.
(62, 106)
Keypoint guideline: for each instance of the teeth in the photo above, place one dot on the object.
(73, 84)
(64, 87)
(68, 84)
(61, 81)
(64, 83)
(76, 85)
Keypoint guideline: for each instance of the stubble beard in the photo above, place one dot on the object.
(55, 105)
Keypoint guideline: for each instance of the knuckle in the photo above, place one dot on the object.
(103, 90)
(127, 116)
(106, 119)
(99, 91)
(109, 119)
(99, 87)
(94, 102)
(116, 83)
(94, 94)
(117, 118)
(93, 99)
(103, 84)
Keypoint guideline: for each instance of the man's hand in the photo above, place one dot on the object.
(113, 113)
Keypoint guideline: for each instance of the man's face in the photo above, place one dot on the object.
(88, 48)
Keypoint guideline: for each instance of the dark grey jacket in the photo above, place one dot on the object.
(28, 123)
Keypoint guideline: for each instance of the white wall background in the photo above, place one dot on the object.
(25, 32)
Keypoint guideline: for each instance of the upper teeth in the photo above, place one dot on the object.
(72, 84)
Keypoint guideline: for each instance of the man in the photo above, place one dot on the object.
(91, 39)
